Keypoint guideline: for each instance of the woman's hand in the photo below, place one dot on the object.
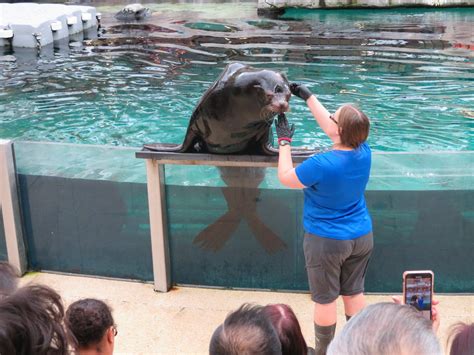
(435, 321)
(286, 173)
(283, 129)
(300, 90)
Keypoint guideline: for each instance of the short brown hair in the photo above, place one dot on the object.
(353, 126)
(88, 320)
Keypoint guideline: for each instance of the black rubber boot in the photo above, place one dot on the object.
(323, 336)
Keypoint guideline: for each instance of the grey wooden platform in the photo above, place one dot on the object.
(214, 159)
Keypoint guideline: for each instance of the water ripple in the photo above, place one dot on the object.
(412, 72)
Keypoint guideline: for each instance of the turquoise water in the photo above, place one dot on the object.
(410, 70)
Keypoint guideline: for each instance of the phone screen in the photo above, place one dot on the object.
(418, 292)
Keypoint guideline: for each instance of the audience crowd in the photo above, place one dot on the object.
(33, 320)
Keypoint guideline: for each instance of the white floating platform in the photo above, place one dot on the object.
(36, 25)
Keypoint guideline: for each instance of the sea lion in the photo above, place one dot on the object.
(133, 12)
(235, 115)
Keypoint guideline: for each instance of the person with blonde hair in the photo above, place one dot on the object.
(338, 237)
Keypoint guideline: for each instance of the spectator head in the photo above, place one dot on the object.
(288, 329)
(245, 331)
(31, 322)
(8, 279)
(461, 338)
(386, 328)
(353, 125)
(90, 322)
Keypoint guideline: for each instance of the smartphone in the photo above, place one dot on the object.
(418, 290)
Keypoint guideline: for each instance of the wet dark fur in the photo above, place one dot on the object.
(235, 114)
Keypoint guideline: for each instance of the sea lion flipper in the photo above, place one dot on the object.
(298, 152)
(268, 149)
(215, 235)
(163, 147)
(188, 142)
(265, 236)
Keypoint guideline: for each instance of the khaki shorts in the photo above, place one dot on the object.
(336, 267)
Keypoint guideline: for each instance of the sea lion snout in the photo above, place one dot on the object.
(280, 106)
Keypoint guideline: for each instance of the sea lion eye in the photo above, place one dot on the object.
(278, 89)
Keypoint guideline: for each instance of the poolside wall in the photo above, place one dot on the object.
(81, 219)
(331, 4)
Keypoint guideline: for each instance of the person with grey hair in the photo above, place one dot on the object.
(386, 328)
(246, 331)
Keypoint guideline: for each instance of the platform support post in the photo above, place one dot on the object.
(10, 208)
(158, 225)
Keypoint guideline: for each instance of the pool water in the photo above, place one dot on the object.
(410, 70)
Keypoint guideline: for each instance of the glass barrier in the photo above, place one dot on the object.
(86, 211)
(241, 235)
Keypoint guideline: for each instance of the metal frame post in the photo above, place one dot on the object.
(158, 225)
(10, 206)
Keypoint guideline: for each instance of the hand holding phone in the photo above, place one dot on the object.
(418, 291)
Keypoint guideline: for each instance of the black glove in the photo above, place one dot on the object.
(283, 129)
(300, 90)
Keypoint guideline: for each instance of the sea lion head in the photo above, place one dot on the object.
(267, 92)
(273, 94)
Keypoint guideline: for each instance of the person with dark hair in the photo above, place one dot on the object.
(31, 322)
(461, 338)
(8, 279)
(245, 331)
(90, 322)
(338, 237)
(288, 329)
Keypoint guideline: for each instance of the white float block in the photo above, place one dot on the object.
(83, 11)
(56, 26)
(24, 19)
(86, 16)
(6, 33)
(71, 20)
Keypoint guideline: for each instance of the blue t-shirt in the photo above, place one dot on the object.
(334, 202)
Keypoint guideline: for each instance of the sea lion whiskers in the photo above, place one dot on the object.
(266, 114)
